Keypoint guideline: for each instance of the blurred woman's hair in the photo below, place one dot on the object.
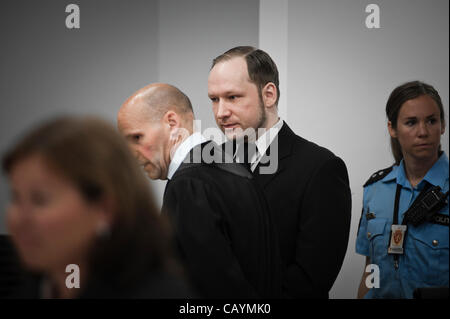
(92, 155)
(398, 97)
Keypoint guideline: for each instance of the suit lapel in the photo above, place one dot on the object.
(283, 143)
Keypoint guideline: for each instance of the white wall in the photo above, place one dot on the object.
(47, 70)
(273, 36)
(191, 34)
(340, 74)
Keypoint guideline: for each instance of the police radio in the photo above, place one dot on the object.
(425, 208)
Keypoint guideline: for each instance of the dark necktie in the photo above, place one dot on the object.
(245, 153)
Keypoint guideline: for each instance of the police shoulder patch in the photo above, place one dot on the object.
(378, 175)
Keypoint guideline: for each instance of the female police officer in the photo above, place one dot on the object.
(404, 223)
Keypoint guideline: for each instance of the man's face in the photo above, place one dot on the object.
(236, 101)
(147, 140)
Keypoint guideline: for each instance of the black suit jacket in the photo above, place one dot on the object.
(223, 229)
(310, 201)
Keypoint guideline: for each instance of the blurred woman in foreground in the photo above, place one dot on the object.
(79, 203)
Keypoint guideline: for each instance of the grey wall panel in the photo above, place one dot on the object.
(340, 74)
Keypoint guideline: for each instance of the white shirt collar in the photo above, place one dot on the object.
(263, 142)
(183, 150)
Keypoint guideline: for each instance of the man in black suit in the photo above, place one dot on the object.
(220, 216)
(306, 185)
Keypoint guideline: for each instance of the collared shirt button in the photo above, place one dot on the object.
(435, 243)
(369, 234)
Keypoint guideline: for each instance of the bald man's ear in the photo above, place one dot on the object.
(172, 119)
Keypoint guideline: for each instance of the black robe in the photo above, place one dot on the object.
(223, 229)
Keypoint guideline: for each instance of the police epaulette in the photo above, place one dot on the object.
(378, 175)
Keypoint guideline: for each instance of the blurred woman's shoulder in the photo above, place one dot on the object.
(156, 284)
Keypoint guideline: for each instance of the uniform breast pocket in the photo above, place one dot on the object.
(377, 239)
(426, 254)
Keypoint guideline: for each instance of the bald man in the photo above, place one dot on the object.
(220, 217)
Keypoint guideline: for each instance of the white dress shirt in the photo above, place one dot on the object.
(183, 150)
(263, 142)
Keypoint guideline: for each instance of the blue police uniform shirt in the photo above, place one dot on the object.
(425, 259)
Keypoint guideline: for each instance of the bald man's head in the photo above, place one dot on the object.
(153, 101)
(154, 120)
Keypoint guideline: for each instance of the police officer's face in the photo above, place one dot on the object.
(236, 102)
(419, 128)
